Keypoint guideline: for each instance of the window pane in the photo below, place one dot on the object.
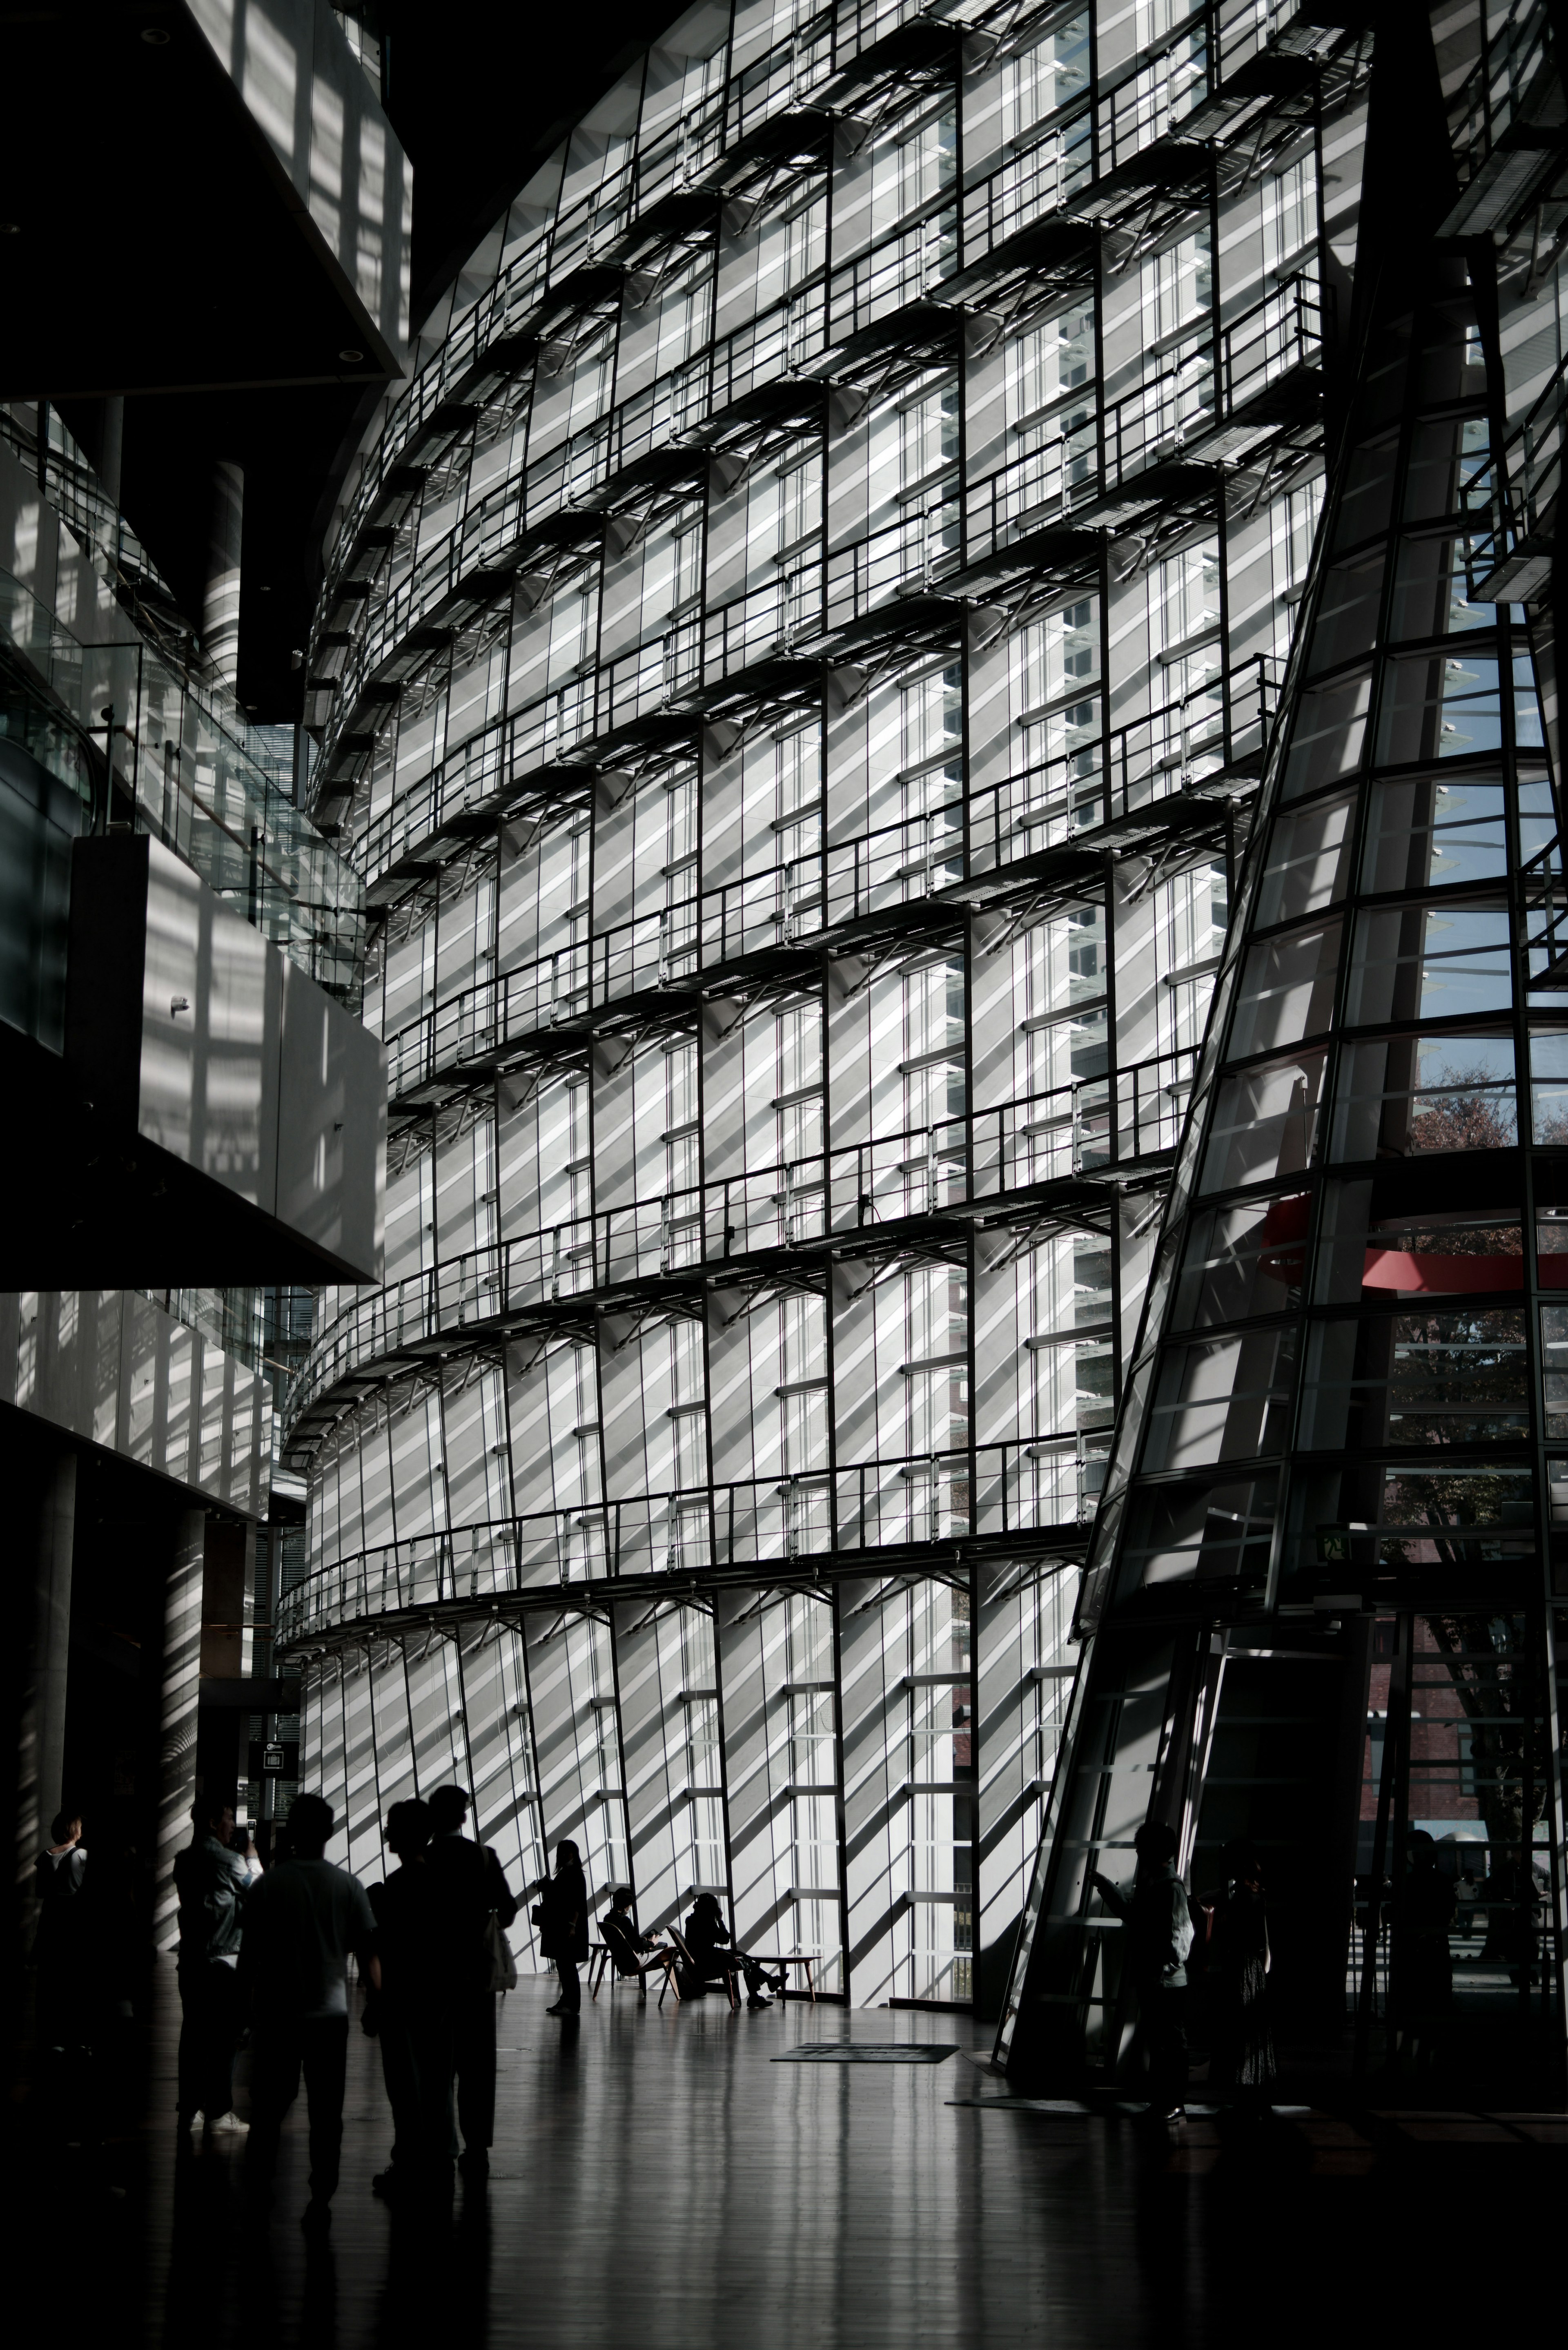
(1403, 1095)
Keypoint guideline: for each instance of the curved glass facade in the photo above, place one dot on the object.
(794, 672)
(1321, 1602)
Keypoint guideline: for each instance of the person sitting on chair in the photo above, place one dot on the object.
(628, 1949)
(716, 1954)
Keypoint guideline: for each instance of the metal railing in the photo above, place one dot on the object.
(1512, 40)
(803, 62)
(1175, 405)
(1154, 96)
(1082, 1126)
(489, 535)
(1030, 184)
(1020, 1488)
(1283, 331)
(190, 774)
(1150, 100)
(1225, 720)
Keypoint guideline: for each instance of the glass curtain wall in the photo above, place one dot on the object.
(101, 683)
(1318, 1608)
(794, 673)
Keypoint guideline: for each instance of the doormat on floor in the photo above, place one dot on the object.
(1074, 2109)
(909, 2052)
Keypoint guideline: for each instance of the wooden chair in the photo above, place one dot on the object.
(682, 1951)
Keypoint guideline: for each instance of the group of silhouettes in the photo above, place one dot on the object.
(266, 1952)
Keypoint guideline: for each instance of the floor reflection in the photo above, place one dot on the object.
(658, 2178)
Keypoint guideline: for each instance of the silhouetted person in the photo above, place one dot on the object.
(716, 1954)
(412, 2011)
(62, 1947)
(628, 1949)
(1421, 1964)
(1467, 1898)
(1160, 1936)
(563, 1930)
(473, 1884)
(1513, 1920)
(1237, 1971)
(212, 1882)
(301, 1921)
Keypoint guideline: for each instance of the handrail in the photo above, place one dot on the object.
(190, 779)
(1044, 806)
(1065, 1130)
(1218, 723)
(1142, 105)
(1174, 405)
(763, 349)
(1282, 330)
(1020, 1487)
(799, 66)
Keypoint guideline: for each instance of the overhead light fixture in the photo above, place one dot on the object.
(155, 37)
(351, 356)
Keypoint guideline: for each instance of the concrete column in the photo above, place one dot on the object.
(177, 1720)
(220, 597)
(40, 1789)
(111, 442)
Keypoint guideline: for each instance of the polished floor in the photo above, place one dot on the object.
(658, 2178)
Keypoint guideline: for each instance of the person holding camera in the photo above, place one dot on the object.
(1160, 1936)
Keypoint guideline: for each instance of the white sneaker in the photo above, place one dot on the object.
(198, 2120)
(228, 2125)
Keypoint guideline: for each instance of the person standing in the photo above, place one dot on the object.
(471, 1885)
(1160, 1936)
(564, 1933)
(301, 1922)
(1421, 1974)
(60, 1946)
(413, 2012)
(212, 1882)
(1237, 1973)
